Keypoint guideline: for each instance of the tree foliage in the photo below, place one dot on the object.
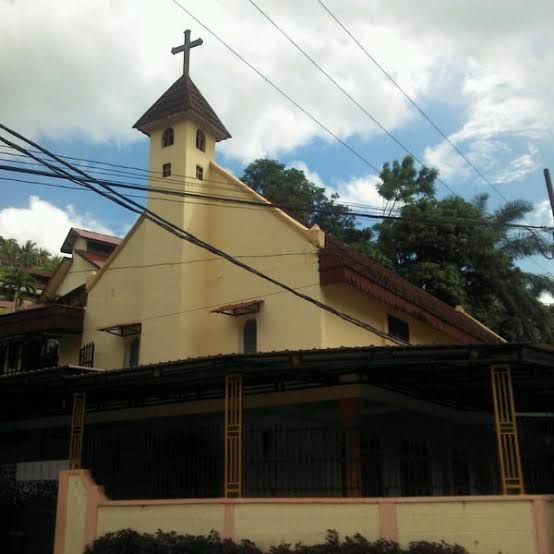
(17, 262)
(470, 259)
(26, 256)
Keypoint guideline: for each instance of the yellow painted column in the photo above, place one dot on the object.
(509, 456)
(233, 436)
(77, 430)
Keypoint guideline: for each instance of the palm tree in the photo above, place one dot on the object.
(9, 252)
(28, 254)
(17, 283)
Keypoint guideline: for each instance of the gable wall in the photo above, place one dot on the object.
(370, 310)
(172, 286)
(77, 275)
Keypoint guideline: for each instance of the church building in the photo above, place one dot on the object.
(177, 374)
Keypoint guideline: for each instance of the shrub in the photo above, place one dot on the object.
(129, 541)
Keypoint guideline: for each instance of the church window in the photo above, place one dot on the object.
(166, 170)
(200, 140)
(134, 351)
(250, 337)
(167, 137)
(398, 328)
(199, 172)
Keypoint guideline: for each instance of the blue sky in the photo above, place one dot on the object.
(82, 73)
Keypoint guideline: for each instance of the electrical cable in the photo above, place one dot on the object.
(411, 100)
(269, 205)
(278, 89)
(182, 234)
(345, 92)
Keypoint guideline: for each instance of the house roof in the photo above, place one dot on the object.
(183, 98)
(339, 262)
(51, 318)
(455, 375)
(75, 233)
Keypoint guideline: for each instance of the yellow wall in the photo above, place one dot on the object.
(338, 332)
(69, 349)
(182, 518)
(270, 524)
(482, 527)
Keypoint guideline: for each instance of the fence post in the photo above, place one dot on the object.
(233, 436)
(77, 429)
(506, 430)
(349, 410)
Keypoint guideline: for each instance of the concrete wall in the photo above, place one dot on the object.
(77, 275)
(482, 524)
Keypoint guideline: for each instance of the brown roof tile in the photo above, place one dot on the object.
(339, 262)
(74, 233)
(181, 98)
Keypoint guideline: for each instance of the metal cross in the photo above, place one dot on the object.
(185, 48)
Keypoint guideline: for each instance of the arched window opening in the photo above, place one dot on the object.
(167, 137)
(250, 337)
(200, 140)
(134, 351)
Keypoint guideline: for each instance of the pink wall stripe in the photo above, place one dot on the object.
(542, 527)
(61, 514)
(388, 524)
(228, 520)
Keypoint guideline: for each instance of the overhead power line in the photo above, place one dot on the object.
(107, 192)
(411, 100)
(345, 92)
(277, 88)
(268, 205)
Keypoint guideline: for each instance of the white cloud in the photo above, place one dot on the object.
(313, 176)
(546, 298)
(357, 191)
(507, 109)
(92, 68)
(519, 167)
(361, 190)
(541, 215)
(45, 223)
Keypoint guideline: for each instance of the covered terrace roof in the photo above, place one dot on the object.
(455, 376)
(52, 318)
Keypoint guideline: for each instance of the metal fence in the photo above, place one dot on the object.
(279, 461)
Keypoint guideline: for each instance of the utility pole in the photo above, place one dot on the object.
(550, 193)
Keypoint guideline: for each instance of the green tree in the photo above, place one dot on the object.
(28, 254)
(470, 259)
(304, 200)
(17, 283)
(402, 183)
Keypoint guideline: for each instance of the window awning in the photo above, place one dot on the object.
(123, 329)
(243, 308)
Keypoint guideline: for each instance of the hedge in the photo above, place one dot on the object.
(129, 541)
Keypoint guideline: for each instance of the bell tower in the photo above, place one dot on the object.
(183, 129)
